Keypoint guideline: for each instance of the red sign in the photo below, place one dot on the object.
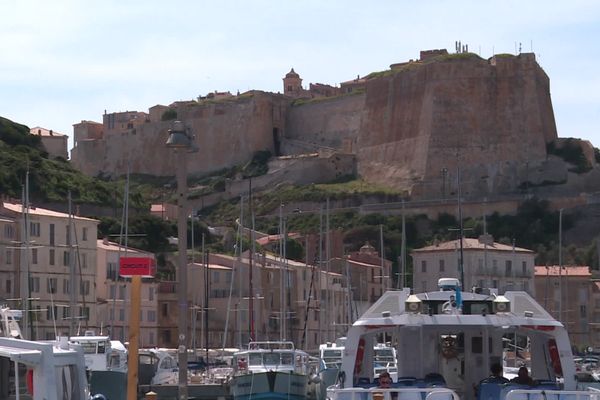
(130, 266)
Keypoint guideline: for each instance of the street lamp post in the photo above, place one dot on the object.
(181, 143)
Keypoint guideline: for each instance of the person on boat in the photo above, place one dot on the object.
(496, 374)
(495, 377)
(385, 382)
(523, 377)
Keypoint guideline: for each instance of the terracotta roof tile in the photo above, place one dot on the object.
(470, 244)
(567, 270)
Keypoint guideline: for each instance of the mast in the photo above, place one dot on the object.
(461, 266)
(240, 249)
(327, 256)
(401, 279)
(388, 277)
(72, 275)
(251, 250)
(320, 288)
(27, 325)
(281, 279)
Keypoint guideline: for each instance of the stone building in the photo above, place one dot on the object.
(37, 266)
(113, 295)
(487, 264)
(305, 304)
(567, 293)
(54, 143)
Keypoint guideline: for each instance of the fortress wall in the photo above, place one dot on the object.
(226, 134)
(88, 156)
(417, 118)
(331, 123)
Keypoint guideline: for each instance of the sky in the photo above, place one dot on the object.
(65, 61)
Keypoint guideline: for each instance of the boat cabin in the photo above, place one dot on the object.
(271, 356)
(451, 338)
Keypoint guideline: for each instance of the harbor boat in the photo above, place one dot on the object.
(39, 370)
(270, 370)
(447, 341)
(101, 353)
(106, 364)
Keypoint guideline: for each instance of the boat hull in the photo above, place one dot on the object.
(269, 385)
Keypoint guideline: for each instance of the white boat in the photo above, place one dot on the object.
(101, 353)
(446, 342)
(270, 370)
(39, 370)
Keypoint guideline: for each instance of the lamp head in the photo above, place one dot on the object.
(178, 138)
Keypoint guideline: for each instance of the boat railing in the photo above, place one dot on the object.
(271, 345)
(376, 393)
(543, 394)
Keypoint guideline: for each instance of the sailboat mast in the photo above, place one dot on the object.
(327, 256)
(26, 275)
(72, 275)
(251, 248)
(240, 278)
(461, 266)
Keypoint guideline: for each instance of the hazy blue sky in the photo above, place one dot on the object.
(65, 61)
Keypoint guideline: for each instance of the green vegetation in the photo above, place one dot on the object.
(504, 55)
(49, 180)
(169, 115)
(570, 151)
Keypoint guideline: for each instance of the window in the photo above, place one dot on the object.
(112, 314)
(228, 277)
(495, 283)
(84, 234)
(68, 234)
(84, 287)
(85, 313)
(8, 257)
(508, 267)
(111, 271)
(151, 316)
(423, 266)
(113, 291)
(66, 286)
(51, 234)
(9, 231)
(151, 293)
(51, 313)
(34, 256)
(34, 229)
(524, 267)
(122, 292)
(165, 309)
(121, 314)
(215, 276)
(83, 260)
(66, 258)
(442, 266)
(495, 267)
(66, 313)
(34, 284)
(583, 311)
(8, 286)
(52, 284)
(52, 257)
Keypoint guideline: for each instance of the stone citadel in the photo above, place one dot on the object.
(409, 127)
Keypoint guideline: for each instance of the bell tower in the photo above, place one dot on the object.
(292, 84)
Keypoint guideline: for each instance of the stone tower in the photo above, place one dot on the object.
(292, 84)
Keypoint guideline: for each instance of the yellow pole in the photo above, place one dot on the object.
(134, 334)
